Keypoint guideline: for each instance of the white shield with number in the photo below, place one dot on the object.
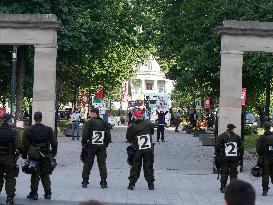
(231, 149)
(98, 137)
(144, 142)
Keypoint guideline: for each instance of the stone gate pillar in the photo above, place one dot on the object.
(44, 82)
(230, 90)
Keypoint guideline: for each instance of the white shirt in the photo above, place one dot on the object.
(75, 116)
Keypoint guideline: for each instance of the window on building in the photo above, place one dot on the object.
(161, 85)
(149, 85)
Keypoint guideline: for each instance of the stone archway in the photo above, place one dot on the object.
(39, 30)
(238, 37)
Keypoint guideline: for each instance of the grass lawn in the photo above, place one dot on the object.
(250, 141)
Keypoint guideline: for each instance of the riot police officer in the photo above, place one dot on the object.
(140, 136)
(9, 143)
(40, 144)
(96, 136)
(229, 148)
(264, 148)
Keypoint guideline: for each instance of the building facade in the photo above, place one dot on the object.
(150, 79)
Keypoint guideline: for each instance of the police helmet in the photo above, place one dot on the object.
(30, 166)
(256, 171)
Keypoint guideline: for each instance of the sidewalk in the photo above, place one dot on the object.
(183, 173)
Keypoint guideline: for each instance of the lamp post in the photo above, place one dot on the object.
(268, 77)
(13, 80)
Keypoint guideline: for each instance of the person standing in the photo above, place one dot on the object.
(39, 138)
(75, 120)
(161, 125)
(10, 142)
(177, 120)
(264, 148)
(96, 136)
(229, 148)
(140, 136)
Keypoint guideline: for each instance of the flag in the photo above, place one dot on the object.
(100, 93)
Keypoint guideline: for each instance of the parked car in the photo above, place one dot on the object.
(251, 121)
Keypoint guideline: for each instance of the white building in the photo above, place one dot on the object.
(150, 79)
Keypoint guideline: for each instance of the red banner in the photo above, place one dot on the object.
(207, 103)
(2, 111)
(243, 97)
(85, 98)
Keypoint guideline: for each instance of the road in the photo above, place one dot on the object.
(183, 173)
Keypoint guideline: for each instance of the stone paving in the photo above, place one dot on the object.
(183, 173)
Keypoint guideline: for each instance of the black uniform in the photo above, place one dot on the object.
(229, 147)
(139, 135)
(9, 143)
(96, 136)
(264, 148)
(40, 137)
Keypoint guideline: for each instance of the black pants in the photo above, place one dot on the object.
(160, 130)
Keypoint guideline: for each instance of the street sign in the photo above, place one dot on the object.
(243, 97)
(2, 112)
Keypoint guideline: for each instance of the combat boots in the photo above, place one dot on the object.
(84, 183)
(223, 188)
(151, 186)
(103, 183)
(47, 196)
(33, 196)
(265, 190)
(9, 200)
(131, 186)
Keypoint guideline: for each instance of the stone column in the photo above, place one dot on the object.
(155, 86)
(142, 86)
(230, 90)
(44, 82)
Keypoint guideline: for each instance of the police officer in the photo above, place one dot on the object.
(229, 148)
(40, 138)
(9, 143)
(264, 148)
(96, 135)
(139, 135)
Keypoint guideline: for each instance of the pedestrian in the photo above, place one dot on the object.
(106, 118)
(161, 124)
(140, 136)
(10, 142)
(40, 145)
(239, 192)
(75, 120)
(177, 120)
(264, 148)
(229, 148)
(96, 136)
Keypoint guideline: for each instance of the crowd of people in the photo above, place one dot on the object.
(39, 148)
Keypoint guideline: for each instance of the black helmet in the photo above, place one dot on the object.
(130, 153)
(256, 171)
(30, 166)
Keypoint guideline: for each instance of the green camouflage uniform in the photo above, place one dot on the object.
(264, 148)
(230, 155)
(139, 135)
(10, 141)
(40, 136)
(91, 137)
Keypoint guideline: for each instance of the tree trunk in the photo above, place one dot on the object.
(261, 113)
(21, 71)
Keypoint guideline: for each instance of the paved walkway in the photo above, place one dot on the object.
(183, 172)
